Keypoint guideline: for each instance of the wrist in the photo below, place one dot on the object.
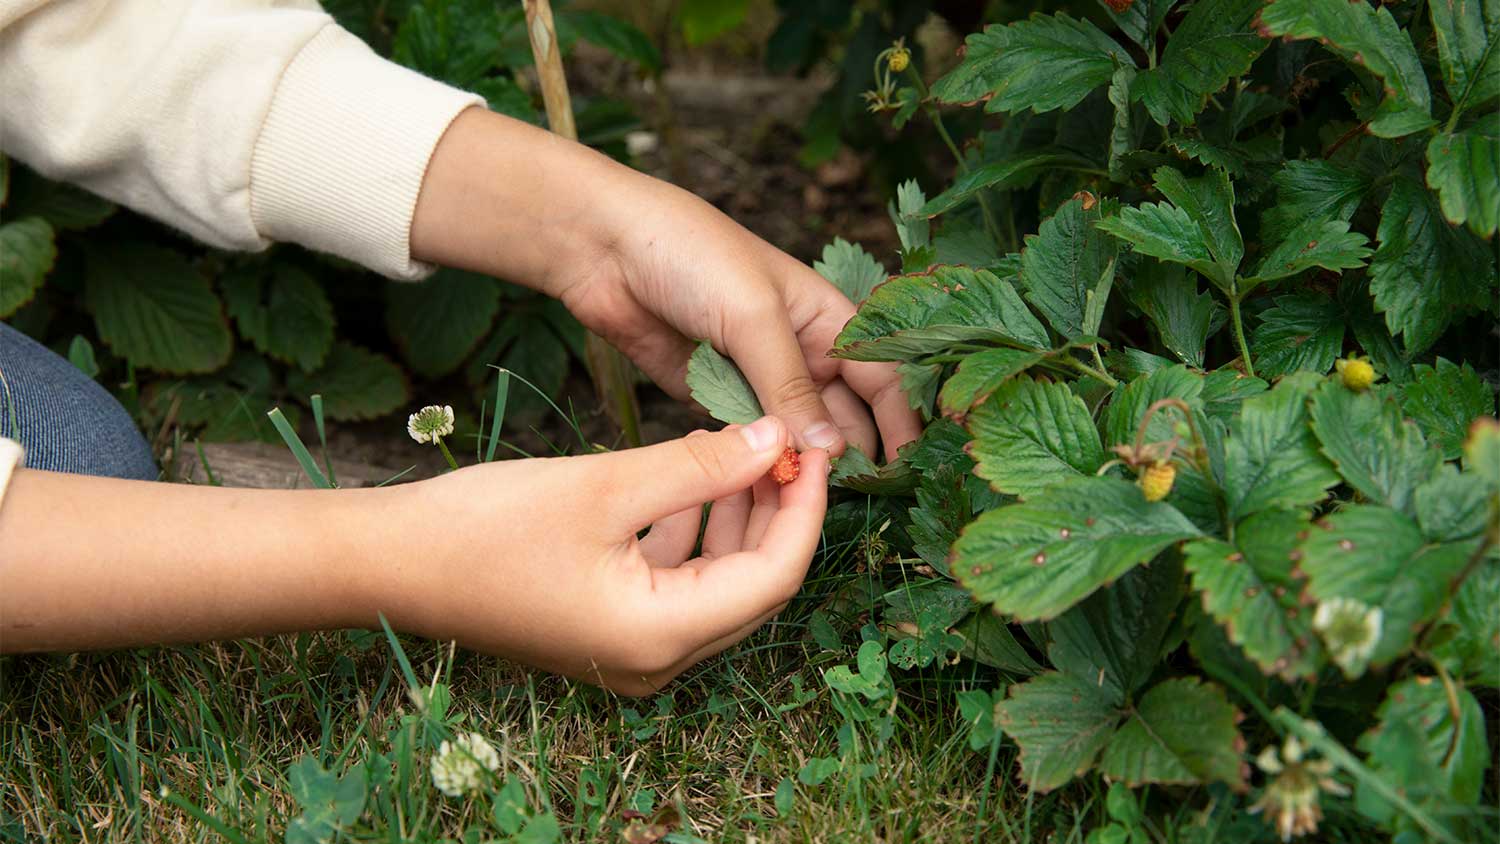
(513, 201)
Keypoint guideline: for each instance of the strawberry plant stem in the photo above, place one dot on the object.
(1099, 373)
(963, 166)
(1239, 334)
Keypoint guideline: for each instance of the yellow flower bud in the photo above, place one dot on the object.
(1156, 481)
(1357, 373)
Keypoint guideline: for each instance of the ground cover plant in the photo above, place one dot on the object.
(1192, 524)
(1199, 544)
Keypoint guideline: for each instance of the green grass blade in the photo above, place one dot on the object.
(502, 391)
(410, 675)
(299, 451)
(317, 409)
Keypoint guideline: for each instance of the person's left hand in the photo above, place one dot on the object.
(682, 271)
(653, 269)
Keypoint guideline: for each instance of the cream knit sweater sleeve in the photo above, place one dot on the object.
(238, 121)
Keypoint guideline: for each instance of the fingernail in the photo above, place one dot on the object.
(762, 434)
(821, 435)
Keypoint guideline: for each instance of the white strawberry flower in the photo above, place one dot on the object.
(460, 764)
(1350, 629)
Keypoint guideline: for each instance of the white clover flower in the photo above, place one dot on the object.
(1350, 629)
(1291, 800)
(430, 424)
(460, 764)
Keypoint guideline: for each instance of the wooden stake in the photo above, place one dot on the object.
(614, 377)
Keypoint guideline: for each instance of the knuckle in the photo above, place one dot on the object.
(797, 393)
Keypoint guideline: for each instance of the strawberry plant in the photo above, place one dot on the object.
(1212, 471)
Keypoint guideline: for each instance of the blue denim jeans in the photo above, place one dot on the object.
(64, 420)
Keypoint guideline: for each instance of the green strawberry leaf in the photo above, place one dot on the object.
(1003, 174)
(717, 384)
(1379, 556)
(989, 641)
(1209, 201)
(1182, 731)
(438, 322)
(850, 268)
(960, 242)
(1471, 632)
(1464, 169)
(1214, 43)
(915, 315)
(1114, 638)
(1198, 229)
(154, 309)
(1445, 399)
(1468, 42)
(1066, 261)
(1271, 458)
(1225, 390)
(1131, 401)
(282, 311)
(1030, 435)
(1316, 243)
(356, 384)
(1313, 190)
(1303, 331)
(65, 207)
(912, 227)
(1122, 136)
(981, 374)
(1184, 316)
(1061, 724)
(1425, 271)
(1377, 451)
(1167, 232)
(1452, 506)
(27, 252)
(1369, 37)
(1482, 451)
(1141, 19)
(854, 470)
(1044, 63)
(1249, 589)
(1037, 558)
(1429, 745)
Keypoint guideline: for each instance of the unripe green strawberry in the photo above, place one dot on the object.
(787, 467)
(900, 58)
(1156, 480)
(1357, 373)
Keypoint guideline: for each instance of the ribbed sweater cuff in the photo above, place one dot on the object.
(340, 159)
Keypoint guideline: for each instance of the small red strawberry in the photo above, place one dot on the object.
(787, 467)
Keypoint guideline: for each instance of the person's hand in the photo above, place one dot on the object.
(653, 269)
(538, 560)
(680, 271)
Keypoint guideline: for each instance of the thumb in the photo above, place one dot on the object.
(673, 476)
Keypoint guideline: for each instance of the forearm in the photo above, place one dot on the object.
(96, 562)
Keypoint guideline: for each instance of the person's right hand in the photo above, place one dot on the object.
(537, 560)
